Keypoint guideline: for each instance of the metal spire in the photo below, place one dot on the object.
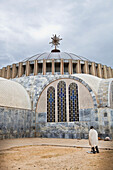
(55, 41)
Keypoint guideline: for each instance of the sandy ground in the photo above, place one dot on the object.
(29, 156)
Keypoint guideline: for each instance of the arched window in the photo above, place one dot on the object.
(61, 101)
(51, 104)
(73, 103)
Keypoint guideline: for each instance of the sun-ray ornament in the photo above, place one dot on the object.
(55, 42)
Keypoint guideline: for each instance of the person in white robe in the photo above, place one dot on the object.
(93, 140)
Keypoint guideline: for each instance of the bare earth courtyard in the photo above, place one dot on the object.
(54, 154)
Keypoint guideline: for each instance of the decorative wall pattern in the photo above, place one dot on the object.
(73, 103)
(61, 101)
(51, 104)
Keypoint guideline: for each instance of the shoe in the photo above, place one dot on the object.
(93, 150)
(97, 149)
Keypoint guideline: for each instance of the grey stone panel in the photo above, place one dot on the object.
(16, 123)
(106, 123)
(42, 118)
(111, 114)
(86, 115)
(96, 118)
(87, 112)
(112, 125)
(67, 130)
(103, 93)
(81, 113)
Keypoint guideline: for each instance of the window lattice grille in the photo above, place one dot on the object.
(73, 103)
(51, 104)
(61, 101)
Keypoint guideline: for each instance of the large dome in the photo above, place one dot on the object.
(56, 55)
(56, 62)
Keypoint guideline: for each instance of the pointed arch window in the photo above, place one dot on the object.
(51, 104)
(73, 102)
(61, 101)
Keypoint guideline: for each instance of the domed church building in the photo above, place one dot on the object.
(56, 95)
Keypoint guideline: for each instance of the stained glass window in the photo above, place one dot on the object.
(51, 104)
(61, 101)
(73, 103)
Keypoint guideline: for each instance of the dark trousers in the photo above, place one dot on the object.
(93, 149)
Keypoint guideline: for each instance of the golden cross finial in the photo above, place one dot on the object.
(55, 40)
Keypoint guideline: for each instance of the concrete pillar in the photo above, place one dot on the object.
(53, 66)
(99, 71)
(70, 66)
(14, 71)
(35, 67)
(93, 69)
(27, 68)
(44, 66)
(105, 71)
(8, 72)
(20, 71)
(3, 72)
(78, 66)
(0, 72)
(62, 67)
(86, 67)
(109, 72)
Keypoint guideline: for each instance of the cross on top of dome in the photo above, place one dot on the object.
(55, 42)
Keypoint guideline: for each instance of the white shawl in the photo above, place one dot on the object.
(93, 138)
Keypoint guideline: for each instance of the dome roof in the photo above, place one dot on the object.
(56, 56)
(101, 87)
(91, 80)
(13, 94)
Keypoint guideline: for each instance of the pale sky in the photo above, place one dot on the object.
(26, 27)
